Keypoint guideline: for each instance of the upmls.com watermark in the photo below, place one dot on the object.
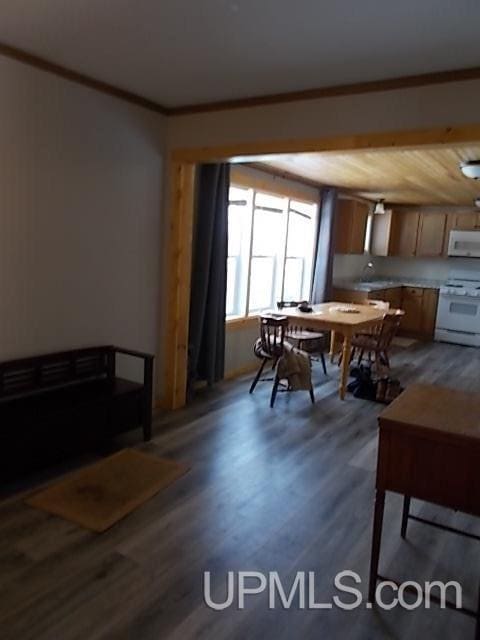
(301, 593)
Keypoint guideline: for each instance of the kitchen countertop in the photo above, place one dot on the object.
(386, 283)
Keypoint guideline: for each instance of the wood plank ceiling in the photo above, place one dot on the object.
(429, 176)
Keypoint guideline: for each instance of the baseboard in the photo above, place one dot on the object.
(241, 371)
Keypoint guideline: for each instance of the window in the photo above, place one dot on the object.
(270, 250)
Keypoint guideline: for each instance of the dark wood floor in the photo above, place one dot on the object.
(285, 490)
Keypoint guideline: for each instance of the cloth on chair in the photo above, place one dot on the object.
(295, 367)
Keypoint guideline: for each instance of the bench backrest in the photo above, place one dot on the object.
(29, 375)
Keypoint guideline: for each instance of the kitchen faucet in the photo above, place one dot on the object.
(368, 272)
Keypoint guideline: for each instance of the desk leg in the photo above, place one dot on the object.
(376, 541)
(406, 511)
(347, 348)
(477, 621)
(332, 346)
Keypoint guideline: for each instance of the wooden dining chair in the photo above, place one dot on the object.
(308, 340)
(337, 340)
(269, 346)
(378, 343)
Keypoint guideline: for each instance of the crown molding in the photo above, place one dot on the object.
(440, 77)
(406, 82)
(80, 78)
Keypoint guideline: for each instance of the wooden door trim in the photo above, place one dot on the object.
(181, 210)
(246, 151)
(182, 188)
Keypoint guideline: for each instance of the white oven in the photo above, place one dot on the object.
(458, 315)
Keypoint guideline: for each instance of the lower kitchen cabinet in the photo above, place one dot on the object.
(393, 296)
(420, 306)
(412, 301)
(430, 304)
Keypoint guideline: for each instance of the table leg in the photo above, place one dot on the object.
(405, 512)
(376, 541)
(346, 350)
(332, 346)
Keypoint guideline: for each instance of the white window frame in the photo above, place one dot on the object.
(244, 261)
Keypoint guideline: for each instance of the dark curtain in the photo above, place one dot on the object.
(206, 351)
(323, 261)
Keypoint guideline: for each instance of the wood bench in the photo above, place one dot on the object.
(57, 405)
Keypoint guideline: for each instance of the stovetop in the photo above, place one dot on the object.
(462, 284)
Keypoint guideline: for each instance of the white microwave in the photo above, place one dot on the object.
(464, 244)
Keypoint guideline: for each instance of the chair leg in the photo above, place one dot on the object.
(352, 355)
(276, 382)
(312, 397)
(257, 377)
(322, 358)
(360, 357)
(387, 359)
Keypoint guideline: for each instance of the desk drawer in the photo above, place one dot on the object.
(442, 472)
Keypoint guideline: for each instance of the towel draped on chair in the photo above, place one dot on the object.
(294, 366)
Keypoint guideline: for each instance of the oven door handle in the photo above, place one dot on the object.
(460, 297)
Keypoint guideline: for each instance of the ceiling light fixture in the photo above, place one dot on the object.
(471, 169)
(379, 208)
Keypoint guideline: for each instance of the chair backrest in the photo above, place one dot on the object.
(272, 334)
(390, 325)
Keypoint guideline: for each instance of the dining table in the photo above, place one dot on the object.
(342, 318)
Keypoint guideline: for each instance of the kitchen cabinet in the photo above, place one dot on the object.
(412, 299)
(465, 221)
(431, 234)
(429, 312)
(349, 295)
(407, 233)
(393, 296)
(350, 226)
(403, 233)
(420, 306)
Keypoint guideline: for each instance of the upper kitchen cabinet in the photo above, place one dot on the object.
(403, 233)
(409, 233)
(351, 225)
(467, 221)
(431, 234)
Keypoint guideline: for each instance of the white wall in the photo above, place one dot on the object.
(239, 356)
(456, 103)
(80, 213)
(442, 105)
(428, 268)
(348, 267)
(81, 226)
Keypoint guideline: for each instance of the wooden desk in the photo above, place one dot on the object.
(429, 448)
(329, 316)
